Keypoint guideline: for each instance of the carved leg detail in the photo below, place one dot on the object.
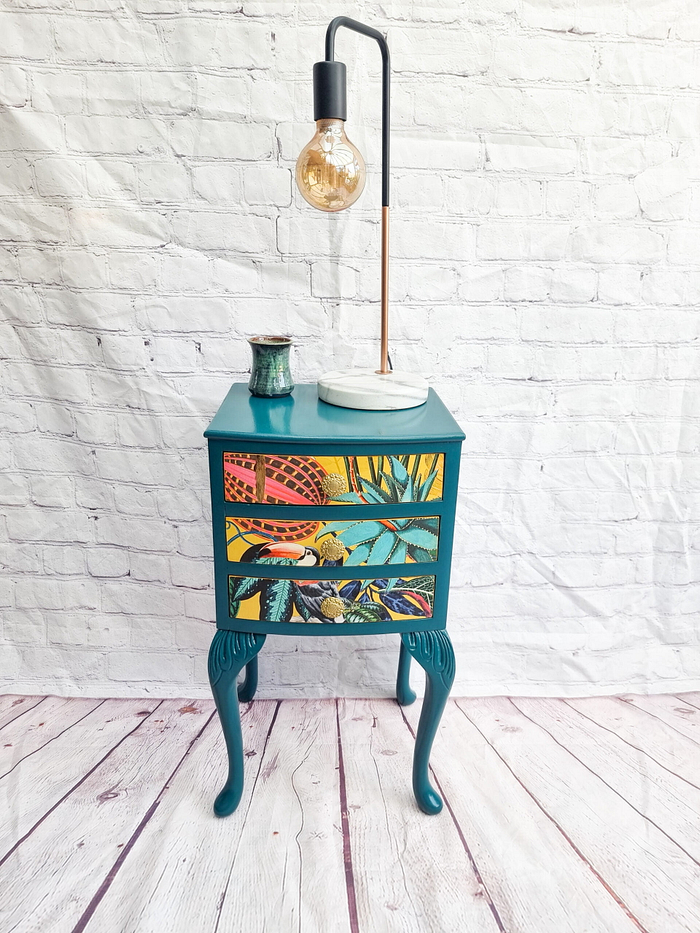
(434, 652)
(228, 654)
(246, 690)
(404, 695)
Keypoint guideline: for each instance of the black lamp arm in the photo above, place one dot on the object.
(386, 77)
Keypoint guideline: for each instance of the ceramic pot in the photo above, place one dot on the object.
(270, 376)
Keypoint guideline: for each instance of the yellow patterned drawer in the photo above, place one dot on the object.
(333, 543)
(363, 600)
(275, 479)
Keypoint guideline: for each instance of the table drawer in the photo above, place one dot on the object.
(323, 601)
(333, 543)
(275, 479)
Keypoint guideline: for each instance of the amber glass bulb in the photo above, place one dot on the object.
(330, 170)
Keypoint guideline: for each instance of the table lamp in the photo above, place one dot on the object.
(330, 173)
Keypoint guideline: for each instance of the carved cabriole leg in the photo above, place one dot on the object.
(228, 654)
(434, 652)
(404, 695)
(246, 690)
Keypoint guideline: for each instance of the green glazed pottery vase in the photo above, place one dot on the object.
(270, 375)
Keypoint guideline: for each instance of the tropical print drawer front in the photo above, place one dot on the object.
(333, 543)
(262, 599)
(291, 480)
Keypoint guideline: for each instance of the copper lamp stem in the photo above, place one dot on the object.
(384, 363)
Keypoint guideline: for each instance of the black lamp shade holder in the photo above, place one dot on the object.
(330, 87)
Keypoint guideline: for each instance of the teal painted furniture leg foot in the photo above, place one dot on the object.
(246, 690)
(434, 652)
(228, 654)
(404, 695)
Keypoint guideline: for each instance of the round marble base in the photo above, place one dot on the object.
(372, 391)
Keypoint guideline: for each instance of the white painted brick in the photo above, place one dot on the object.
(111, 179)
(519, 198)
(218, 139)
(217, 42)
(527, 283)
(627, 63)
(167, 92)
(37, 266)
(481, 283)
(92, 226)
(24, 627)
(140, 666)
(516, 241)
(562, 335)
(185, 271)
(616, 201)
(83, 268)
(267, 184)
(466, 194)
(15, 85)
(223, 97)
(132, 270)
(440, 150)
(174, 354)
(183, 315)
(53, 490)
(107, 562)
(109, 135)
(623, 156)
(537, 59)
(531, 153)
(162, 181)
(573, 284)
(26, 35)
(284, 278)
(567, 325)
(616, 243)
(55, 419)
(110, 93)
(83, 39)
(620, 285)
(129, 532)
(568, 198)
(663, 190)
(246, 233)
(682, 245)
(132, 500)
(441, 51)
(31, 222)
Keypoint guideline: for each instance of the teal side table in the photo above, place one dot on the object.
(331, 521)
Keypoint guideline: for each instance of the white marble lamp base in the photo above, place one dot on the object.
(369, 390)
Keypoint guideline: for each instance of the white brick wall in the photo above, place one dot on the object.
(546, 194)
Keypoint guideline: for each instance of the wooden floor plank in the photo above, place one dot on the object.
(12, 706)
(652, 736)
(44, 723)
(691, 698)
(69, 854)
(175, 876)
(660, 796)
(655, 880)
(37, 783)
(672, 710)
(537, 881)
(412, 872)
(287, 873)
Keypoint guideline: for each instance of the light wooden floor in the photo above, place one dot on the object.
(576, 816)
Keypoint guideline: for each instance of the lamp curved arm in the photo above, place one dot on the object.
(386, 77)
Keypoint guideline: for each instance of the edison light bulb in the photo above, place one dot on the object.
(330, 169)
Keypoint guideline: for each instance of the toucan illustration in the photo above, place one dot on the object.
(310, 593)
(295, 553)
